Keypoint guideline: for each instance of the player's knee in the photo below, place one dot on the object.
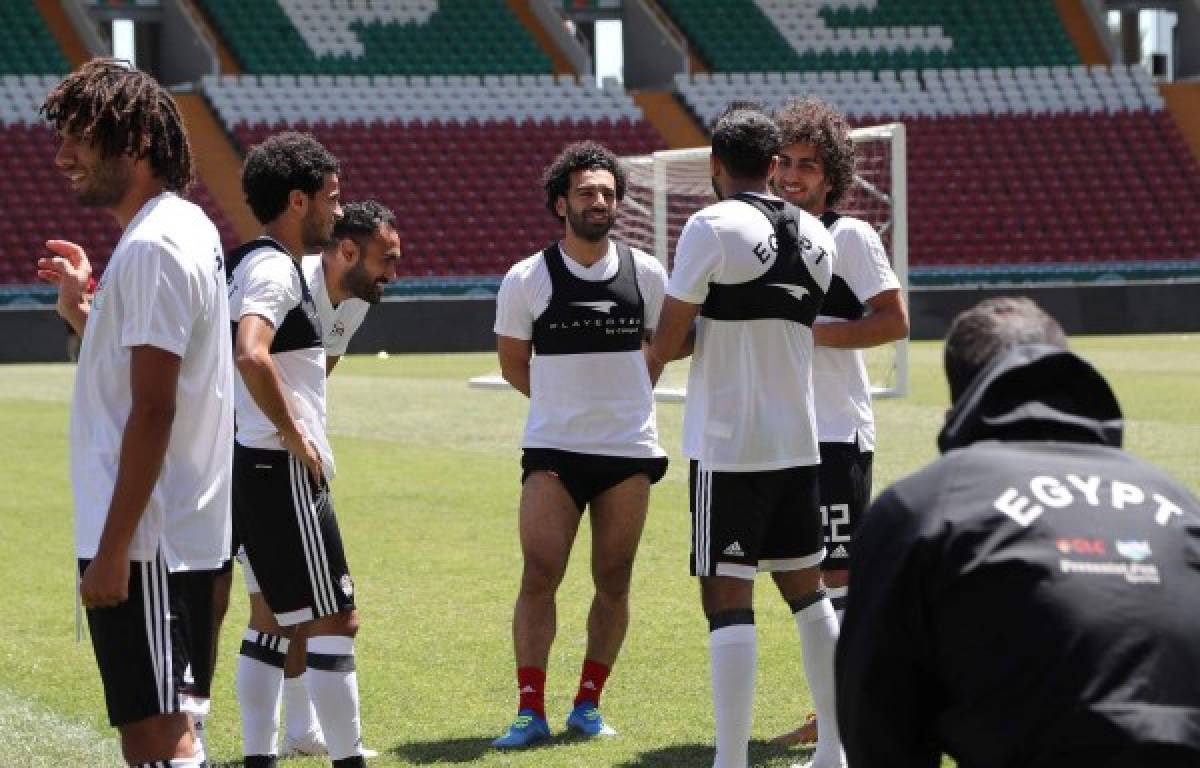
(350, 623)
(836, 578)
(540, 577)
(156, 737)
(612, 580)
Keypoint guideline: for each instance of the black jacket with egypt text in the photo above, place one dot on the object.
(1030, 599)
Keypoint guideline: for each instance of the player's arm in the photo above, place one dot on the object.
(699, 259)
(515, 355)
(153, 374)
(252, 355)
(888, 321)
(886, 683)
(70, 270)
(675, 336)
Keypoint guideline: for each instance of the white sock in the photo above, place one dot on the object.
(837, 596)
(198, 739)
(259, 686)
(732, 651)
(333, 687)
(300, 716)
(818, 627)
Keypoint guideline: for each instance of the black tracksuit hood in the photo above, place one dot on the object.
(1035, 392)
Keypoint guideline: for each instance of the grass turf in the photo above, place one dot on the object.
(426, 494)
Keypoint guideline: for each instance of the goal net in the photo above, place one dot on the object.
(667, 187)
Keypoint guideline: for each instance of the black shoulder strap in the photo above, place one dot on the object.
(237, 255)
(786, 227)
(828, 218)
(552, 255)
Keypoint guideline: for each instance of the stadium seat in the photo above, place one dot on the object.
(399, 37)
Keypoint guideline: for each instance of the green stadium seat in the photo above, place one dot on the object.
(449, 41)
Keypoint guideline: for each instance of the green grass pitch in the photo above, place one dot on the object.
(426, 495)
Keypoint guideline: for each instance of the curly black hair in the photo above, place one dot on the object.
(815, 122)
(123, 111)
(361, 220)
(745, 140)
(579, 156)
(284, 162)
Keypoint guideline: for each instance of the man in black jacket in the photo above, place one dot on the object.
(1032, 598)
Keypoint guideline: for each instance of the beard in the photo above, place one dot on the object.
(358, 283)
(316, 233)
(108, 182)
(589, 230)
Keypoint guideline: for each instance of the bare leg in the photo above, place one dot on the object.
(549, 520)
(618, 516)
(157, 738)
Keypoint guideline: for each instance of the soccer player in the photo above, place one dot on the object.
(1033, 596)
(282, 462)
(584, 305)
(345, 280)
(151, 415)
(864, 308)
(754, 269)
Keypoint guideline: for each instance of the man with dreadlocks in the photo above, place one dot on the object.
(151, 475)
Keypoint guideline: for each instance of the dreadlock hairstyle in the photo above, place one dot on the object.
(123, 111)
(812, 121)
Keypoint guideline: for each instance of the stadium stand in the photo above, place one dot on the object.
(1073, 166)
(458, 157)
(1023, 164)
(403, 37)
(27, 47)
(847, 35)
(38, 201)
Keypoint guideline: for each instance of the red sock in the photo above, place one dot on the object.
(591, 682)
(531, 686)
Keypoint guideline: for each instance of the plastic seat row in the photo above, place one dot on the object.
(39, 205)
(449, 227)
(394, 37)
(248, 99)
(792, 35)
(1051, 90)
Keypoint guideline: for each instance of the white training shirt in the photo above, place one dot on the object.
(749, 401)
(840, 382)
(599, 404)
(163, 287)
(266, 283)
(337, 323)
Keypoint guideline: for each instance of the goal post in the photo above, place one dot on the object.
(667, 187)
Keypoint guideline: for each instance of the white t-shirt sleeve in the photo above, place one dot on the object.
(652, 281)
(350, 313)
(699, 259)
(270, 288)
(514, 318)
(160, 298)
(863, 263)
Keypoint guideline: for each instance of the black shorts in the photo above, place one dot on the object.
(290, 536)
(143, 645)
(587, 475)
(199, 625)
(745, 522)
(235, 546)
(845, 481)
